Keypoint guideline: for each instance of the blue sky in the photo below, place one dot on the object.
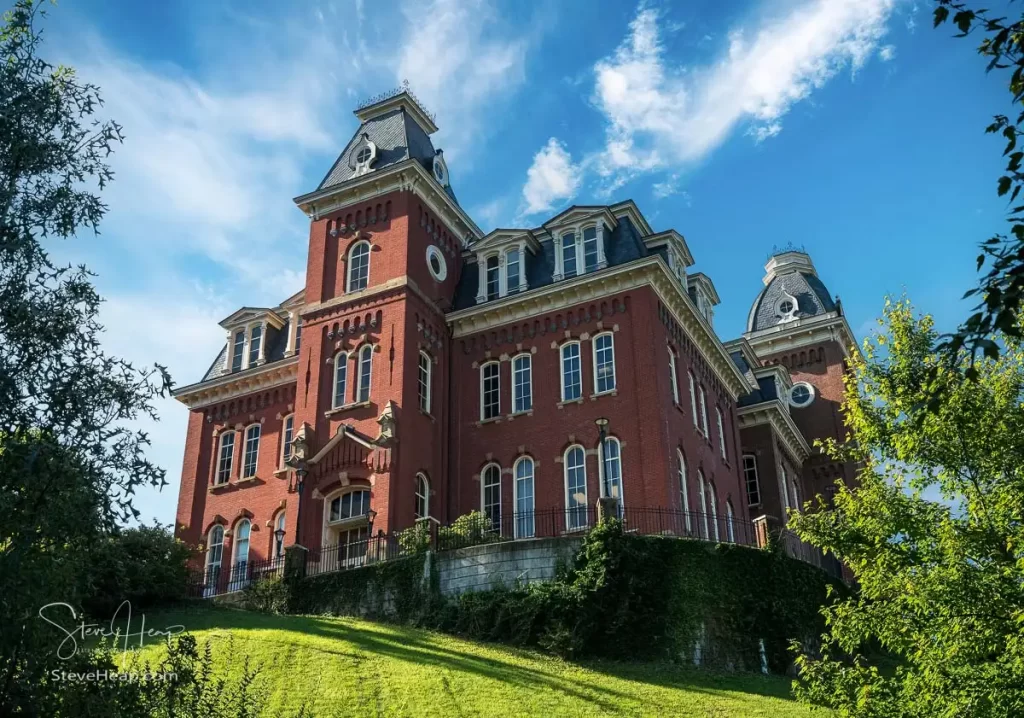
(849, 127)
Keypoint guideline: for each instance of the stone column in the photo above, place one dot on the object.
(263, 343)
(230, 351)
(481, 292)
(602, 261)
(607, 508)
(522, 266)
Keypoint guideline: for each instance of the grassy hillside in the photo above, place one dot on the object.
(349, 667)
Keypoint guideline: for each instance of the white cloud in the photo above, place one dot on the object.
(459, 57)
(551, 179)
(670, 186)
(662, 115)
(887, 53)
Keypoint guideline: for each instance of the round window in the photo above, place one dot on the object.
(801, 394)
(785, 307)
(435, 262)
(439, 171)
(364, 156)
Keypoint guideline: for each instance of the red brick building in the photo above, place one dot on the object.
(428, 370)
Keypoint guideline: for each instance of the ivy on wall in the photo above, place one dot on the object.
(624, 596)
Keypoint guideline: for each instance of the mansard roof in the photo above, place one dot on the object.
(789, 274)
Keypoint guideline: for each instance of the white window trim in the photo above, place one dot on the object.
(497, 412)
(284, 444)
(565, 482)
(811, 390)
(483, 492)
(335, 404)
(703, 503)
(673, 373)
(245, 450)
(234, 544)
(429, 382)
(529, 358)
(601, 470)
(246, 330)
(234, 457)
(561, 367)
(359, 373)
(693, 400)
(757, 479)
(593, 354)
(721, 433)
(714, 510)
(703, 411)
(730, 530)
(684, 488)
(420, 476)
(516, 513)
(349, 266)
(351, 521)
(502, 255)
(209, 547)
(577, 232)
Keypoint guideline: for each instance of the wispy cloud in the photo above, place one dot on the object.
(887, 53)
(551, 179)
(671, 185)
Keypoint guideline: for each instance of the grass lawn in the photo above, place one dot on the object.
(350, 667)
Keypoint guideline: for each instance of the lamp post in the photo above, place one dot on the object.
(602, 429)
(279, 535)
(370, 516)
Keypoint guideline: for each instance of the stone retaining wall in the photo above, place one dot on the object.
(479, 568)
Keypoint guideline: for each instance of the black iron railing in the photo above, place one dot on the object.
(216, 580)
(354, 554)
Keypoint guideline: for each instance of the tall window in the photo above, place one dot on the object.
(522, 383)
(422, 497)
(214, 557)
(721, 433)
(611, 469)
(572, 379)
(750, 479)
(604, 363)
(358, 266)
(730, 530)
(673, 375)
(340, 378)
(512, 270)
(279, 535)
(523, 471)
(255, 335)
(703, 502)
(226, 460)
(365, 361)
(238, 351)
(252, 450)
(287, 431)
(713, 500)
(352, 505)
(684, 490)
(785, 487)
(703, 412)
(239, 566)
(693, 400)
(493, 278)
(575, 488)
(796, 496)
(490, 498)
(569, 255)
(590, 249)
(424, 383)
(490, 390)
(298, 334)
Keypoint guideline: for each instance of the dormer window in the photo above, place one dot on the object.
(786, 308)
(580, 251)
(512, 270)
(238, 352)
(249, 332)
(493, 278)
(568, 255)
(502, 264)
(255, 340)
(363, 155)
(590, 254)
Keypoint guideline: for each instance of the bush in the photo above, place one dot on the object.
(269, 595)
(468, 530)
(146, 566)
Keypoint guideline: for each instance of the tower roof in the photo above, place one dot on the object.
(792, 291)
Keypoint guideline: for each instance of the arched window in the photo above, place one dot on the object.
(358, 266)
(796, 495)
(721, 434)
(493, 278)
(703, 412)
(684, 491)
(255, 336)
(490, 495)
(226, 459)
(572, 377)
(604, 363)
(239, 566)
(693, 400)
(730, 531)
(422, 497)
(490, 390)
(611, 470)
(365, 362)
(751, 480)
(214, 557)
(569, 255)
(576, 513)
(590, 249)
(703, 503)
(424, 382)
(287, 434)
(512, 270)
(340, 379)
(352, 505)
(252, 451)
(238, 352)
(522, 383)
(713, 501)
(673, 375)
(279, 532)
(523, 472)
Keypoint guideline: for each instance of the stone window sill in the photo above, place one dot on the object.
(492, 420)
(346, 407)
(610, 392)
(566, 402)
(515, 414)
(246, 480)
(428, 415)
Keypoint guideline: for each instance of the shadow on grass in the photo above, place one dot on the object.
(427, 648)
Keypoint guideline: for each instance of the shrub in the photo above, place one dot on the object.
(468, 530)
(269, 595)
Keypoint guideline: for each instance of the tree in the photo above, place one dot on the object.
(69, 462)
(1002, 288)
(934, 533)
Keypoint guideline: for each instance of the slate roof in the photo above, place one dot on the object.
(812, 298)
(398, 138)
(622, 245)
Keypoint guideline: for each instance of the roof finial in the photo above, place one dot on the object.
(790, 247)
(404, 87)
